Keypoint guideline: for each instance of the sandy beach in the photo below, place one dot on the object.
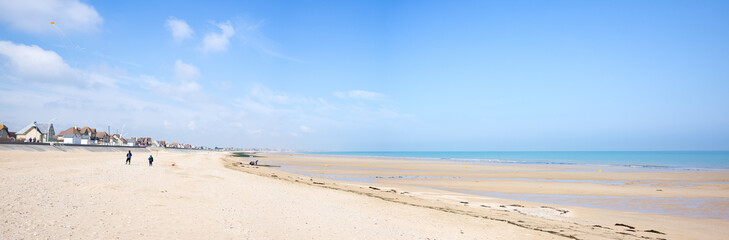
(93, 195)
(79, 194)
(585, 202)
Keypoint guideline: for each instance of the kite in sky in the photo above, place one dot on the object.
(63, 35)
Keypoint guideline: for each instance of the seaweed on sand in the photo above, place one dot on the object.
(244, 154)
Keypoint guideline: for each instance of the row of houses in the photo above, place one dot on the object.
(45, 133)
(88, 135)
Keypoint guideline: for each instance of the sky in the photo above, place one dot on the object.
(374, 75)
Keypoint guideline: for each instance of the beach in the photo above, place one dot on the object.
(93, 195)
(581, 120)
(636, 202)
(82, 194)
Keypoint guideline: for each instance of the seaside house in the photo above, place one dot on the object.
(41, 132)
(130, 142)
(142, 141)
(115, 139)
(85, 135)
(4, 131)
(71, 135)
(145, 141)
(88, 135)
(5, 135)
(103, 137)
(156, 143)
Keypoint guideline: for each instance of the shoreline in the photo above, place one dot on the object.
(414, 169)
(552, 162)
(412, 198)
(631, 189)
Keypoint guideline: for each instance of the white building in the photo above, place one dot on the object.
(41, 132)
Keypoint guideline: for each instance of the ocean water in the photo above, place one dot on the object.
(639, 159)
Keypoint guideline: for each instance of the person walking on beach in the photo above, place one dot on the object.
(150, 160)
(129, 158)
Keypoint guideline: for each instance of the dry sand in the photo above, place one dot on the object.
(93, 195)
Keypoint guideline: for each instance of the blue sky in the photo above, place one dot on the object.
(374, 75)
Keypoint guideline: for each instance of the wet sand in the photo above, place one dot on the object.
(681, 204)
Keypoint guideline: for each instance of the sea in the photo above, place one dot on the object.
(664, 160)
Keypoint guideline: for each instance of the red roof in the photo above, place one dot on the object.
(91, 131)
(70, 131)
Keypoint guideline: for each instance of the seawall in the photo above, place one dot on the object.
(46, 147)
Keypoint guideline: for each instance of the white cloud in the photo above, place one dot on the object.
(271, 111)
(218, 41)
(269, 96)
(187, 87)
(186, 72)
(39, 85)
(34, 64)
(359, 94)
(187, 75)
(305, 128)
(179, 28)
(35, 16)
(183, 88)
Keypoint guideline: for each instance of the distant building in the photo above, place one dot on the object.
(71, 135)
(142, 141)
(117, 139)
(5, 135)
(85, 135)
(4, 131)
(41, 132)
(103, 137)
(158, 143)
(88, 135)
